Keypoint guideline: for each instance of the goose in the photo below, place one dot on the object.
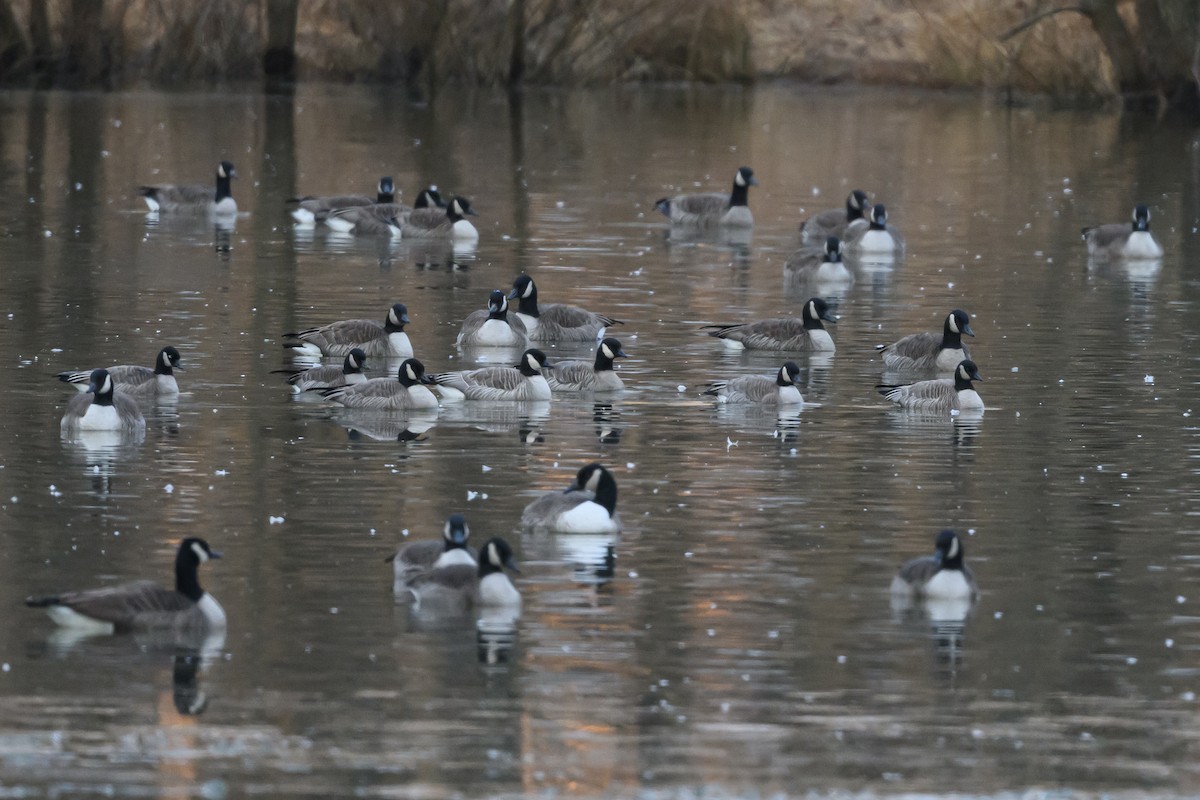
(590, 376)
(143, 604)
(408, 391)
(494, 327)
(193, 199)
(451, 225)
(876, 237)
(806, 334)
(587, 506)
(556, 322)
(1124, 241)
(133, 380)
(380, 219)
(818, 265)
(713, 208)
(102, 409)
(338, 338)
(941, 395)
(311, 210)
(420, 558)
(930, 352)
(780, 390)
(427, 212)
(327, 376)
(462, 587)
(941, 576)
(524, 381)
(834, 222)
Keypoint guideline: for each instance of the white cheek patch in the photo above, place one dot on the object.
(457, 208)
(221, 171)
(739, 180)
(607, 353)
(533, 363)
(593, 481)
(199, 551)
(107, 387)
(412, 374)
(493, 555)
(393, 317)
(528, 290)
(953, 553)
(953, 323)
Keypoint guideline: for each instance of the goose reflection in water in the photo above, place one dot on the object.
(384, 427)
(606, 419)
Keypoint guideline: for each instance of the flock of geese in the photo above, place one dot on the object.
(449, 573)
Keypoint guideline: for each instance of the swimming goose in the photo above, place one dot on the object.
(806, 334)
(833, 222)
(587, 506)
(930, 352)
(381, 219)
(143, 604)
(102, 409)
(193, 199)
(461, 587)
(133, 380)
(780, 390)
(713, 208)
(818, 265)
(524, 381)
(450, 225)
(327, 376)
(408, 391)
(590, 376)
(338, 338)
(315, 209)
(428, 211)
(1124, 241)
(420, 558)
(876, 238)
(493, 327)
(941, 395)
(941, 576)
(555, 322)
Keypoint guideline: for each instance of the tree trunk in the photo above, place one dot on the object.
(1118, 42)
(516, 61)
(279, 59)
(14, 50)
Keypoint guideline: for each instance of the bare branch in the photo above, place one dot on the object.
(1036, 18)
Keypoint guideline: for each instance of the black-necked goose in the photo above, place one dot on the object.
(134, 380)
(409, 391)
(555, 322)
(806, 334)
(590, 376)
(387, 340)
(143, 604)
(1124, 241)
(101, 408)
(311, 210)
(382, 219)
(419, 558)
(524, 381)
(453, 224)
(493, 327)
(874, 237)
(818, 265)
(327, 376)
(930, 352)
(941, 395)
(589, 505)
(941, 576)
(713, 208)
(817, 228)
(779, 390)
(194, 199)
(459, 587)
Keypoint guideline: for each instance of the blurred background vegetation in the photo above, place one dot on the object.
(1147, 51)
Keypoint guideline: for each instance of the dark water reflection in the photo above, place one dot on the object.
(738, 637)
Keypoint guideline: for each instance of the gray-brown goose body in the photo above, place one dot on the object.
(1124, 241)
(820, 226)
(380, 219)
(941, 395)
(327, 376)
(760, 390)
(310, 209)
(821, 265)
(417, 559)
(590, 376)
(452, 224)
(386, 340)
(408, 392)
(589, 505)
(873, 237)
(169, 198)
(806, 334)
(460, 588)
(136, 381)
(555, 322)
(931, 352)
(143, 605)
(101, 408)
(711, 209)
(941, 576)
(493, 327)
(522, 382)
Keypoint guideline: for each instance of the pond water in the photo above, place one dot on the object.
(737, 640)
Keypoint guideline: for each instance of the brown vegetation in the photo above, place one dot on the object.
(1073, 48)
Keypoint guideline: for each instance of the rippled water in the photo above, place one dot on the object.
(738, 639)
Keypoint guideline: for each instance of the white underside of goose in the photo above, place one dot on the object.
(877, 242)
(100, 418)
(948, 584)
(587, 517)
(1142, 245)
